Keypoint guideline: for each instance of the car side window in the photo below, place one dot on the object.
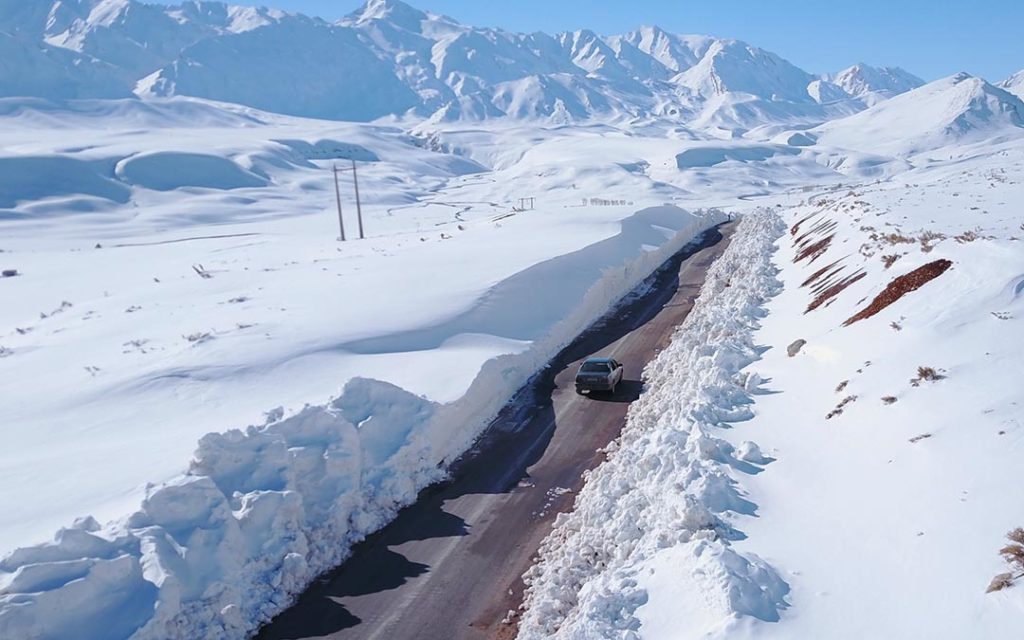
(615, 364)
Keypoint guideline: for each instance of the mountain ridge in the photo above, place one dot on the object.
(390, 59)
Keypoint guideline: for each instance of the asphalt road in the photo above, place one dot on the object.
(450, 565)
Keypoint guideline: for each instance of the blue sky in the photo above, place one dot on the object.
(929, 38)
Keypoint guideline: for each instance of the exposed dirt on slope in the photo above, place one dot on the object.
(901, 286)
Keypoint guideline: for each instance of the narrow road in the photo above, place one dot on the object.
(450, 566)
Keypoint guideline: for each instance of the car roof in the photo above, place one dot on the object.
(600, 360)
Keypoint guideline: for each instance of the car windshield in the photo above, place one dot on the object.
(595, 367)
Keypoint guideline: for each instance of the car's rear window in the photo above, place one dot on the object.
(595, 367)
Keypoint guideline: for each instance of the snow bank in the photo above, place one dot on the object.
(168, 170)
(224, 547)
(220, 550)
(28, 178)
(711, 156)
(662, 501)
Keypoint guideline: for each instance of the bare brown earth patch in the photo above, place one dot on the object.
(901, 286)
(823, 227)
(826, 294)
(821, 272)
(814, 250)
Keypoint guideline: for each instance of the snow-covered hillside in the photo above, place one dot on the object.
(952, 111)
(389, 58)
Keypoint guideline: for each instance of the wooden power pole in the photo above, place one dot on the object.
(337, 195)
(359, 207)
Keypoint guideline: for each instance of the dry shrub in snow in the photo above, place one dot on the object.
(1013, 554)
(929, 239)
(926, 374)
(838, 411)
(890, 259)
(1000, 582)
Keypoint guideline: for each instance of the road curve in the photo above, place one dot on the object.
(450, 565)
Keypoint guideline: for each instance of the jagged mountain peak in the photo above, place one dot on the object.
(860, 79)
(396, 12)
(414, 62)
(1014, 84)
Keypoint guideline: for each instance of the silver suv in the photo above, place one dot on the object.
(598, 374)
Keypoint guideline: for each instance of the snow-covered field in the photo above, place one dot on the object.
(177, 276)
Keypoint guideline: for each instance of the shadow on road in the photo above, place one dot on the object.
(628, 391)
(515, 440)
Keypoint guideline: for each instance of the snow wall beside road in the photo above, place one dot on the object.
(263, 511)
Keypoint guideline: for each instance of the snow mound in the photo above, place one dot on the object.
(259, 515)
(166, 171)
(662, 500)
(31, 178)
(711, 156)
(957, 109)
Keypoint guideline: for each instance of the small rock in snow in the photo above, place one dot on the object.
(750, 452)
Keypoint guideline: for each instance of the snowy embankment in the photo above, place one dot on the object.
(659, 511)
(219, 550)
(898, 426)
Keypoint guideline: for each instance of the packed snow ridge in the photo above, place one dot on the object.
(660, 511)
(390, 59)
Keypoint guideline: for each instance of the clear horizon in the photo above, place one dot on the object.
(928, 39)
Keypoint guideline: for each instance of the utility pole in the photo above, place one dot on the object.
(359, 207)
(337, 195)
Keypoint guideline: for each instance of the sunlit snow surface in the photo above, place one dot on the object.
(179, 274)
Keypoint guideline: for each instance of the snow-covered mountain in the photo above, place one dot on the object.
(957, 109)
(874, 84)
(389, 58)
(1014, 84)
